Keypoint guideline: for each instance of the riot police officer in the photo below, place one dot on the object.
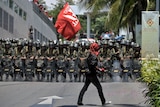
(61, 69)
(82, 64)
(68, 65)
(40, 73)
(71, 69)
(101, 65)
(1, 69)
(49, 72)
(75, 73)
(107, 66)
(7, 63)
(17, 68)
(54, 68)
(30, 64)
(127, 68)
(136, 67)
(116, 71)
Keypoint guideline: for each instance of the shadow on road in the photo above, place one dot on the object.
(128, 105)
(68, 106)
(113, 105)
(41, 105)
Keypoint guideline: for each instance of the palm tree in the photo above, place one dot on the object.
(127, 13)
(123, 13)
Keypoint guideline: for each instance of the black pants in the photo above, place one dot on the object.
(91, 79)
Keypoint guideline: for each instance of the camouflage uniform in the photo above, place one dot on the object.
(29, 67)
(17, 64)
(40, 68)
(127, 68)
(7, 64)
(82, 64)
(49, 69)
(61, 69)
(1, 69)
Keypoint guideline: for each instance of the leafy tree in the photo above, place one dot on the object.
(57, 8)
(97, 24)
(97, 21)
(123, 13)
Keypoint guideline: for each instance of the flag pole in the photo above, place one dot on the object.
(157, 5)
(88, 24)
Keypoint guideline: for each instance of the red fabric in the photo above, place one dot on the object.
(35, 1)
(67, 24)
(94, 48)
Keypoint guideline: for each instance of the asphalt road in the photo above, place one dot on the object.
(52, 94)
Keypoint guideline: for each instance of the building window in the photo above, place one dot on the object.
(5, 22)
(0, 17)
(35, 33)
(16, 8)
(11, 24)
(45, 39)
(37, 38)
(20, 12)
(11, 4)
(41, 38)
(24, 15)
(5, 2)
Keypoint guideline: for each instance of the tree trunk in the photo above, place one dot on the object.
(131, 29)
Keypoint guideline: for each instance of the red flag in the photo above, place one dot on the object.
(67, 23)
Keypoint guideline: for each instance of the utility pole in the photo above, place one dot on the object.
(88, 25)
(157, 5)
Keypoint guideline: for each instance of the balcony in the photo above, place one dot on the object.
(43, 17)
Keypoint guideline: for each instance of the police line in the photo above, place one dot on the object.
(57, 60)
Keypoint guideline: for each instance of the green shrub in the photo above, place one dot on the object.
(151, 76)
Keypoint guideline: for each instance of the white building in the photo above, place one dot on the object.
(17, 16)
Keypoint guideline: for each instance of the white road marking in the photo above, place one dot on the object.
(48, 100)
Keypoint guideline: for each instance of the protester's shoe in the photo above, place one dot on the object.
(107, 102)
(80, 104)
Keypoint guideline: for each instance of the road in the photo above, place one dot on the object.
(53, 94)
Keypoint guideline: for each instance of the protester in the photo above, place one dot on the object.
(91, 75)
